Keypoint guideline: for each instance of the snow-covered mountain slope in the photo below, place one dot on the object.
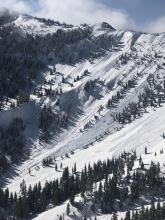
(92, 134)
(131, 137)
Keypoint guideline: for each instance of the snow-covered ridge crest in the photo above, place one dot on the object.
(39, 26)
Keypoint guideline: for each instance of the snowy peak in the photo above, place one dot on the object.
(105, 25)
(39, 26)
(102, 28)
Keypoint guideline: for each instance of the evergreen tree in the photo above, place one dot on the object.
(114, 216)
(68, 209)
(23, 189)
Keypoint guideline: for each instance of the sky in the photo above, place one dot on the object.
(143, 15)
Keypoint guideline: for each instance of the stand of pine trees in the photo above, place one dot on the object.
(51, 122)
(123, 189)
(12, 143)
(155, 212)
(153, 96)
